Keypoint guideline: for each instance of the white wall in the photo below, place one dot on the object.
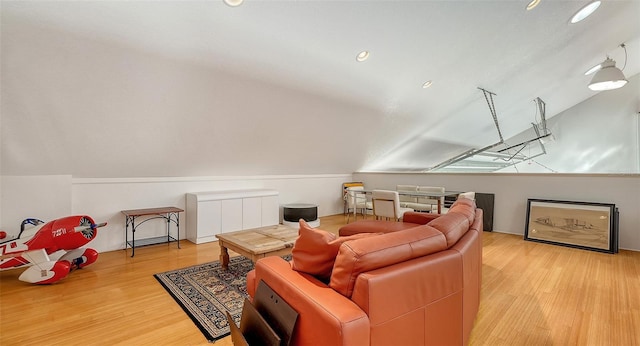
(91, 107)
(49, 197)
(599, 135)
(39, 197)
(1, 171)
(512, 191)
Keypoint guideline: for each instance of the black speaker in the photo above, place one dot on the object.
(295, 212)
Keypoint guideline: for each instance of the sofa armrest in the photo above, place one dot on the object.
(419, 218)
(325, 316)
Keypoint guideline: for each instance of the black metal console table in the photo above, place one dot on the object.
(170, 214)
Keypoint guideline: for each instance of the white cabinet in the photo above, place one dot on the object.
(269, 204)
(214, 212)
(209, 220)
(251, 212)
(231, 218)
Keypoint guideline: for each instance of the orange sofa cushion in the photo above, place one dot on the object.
(374, 226)
(362, 255)
(456, 222)
(315, 250)
(453, 226)
(419, 218)
(464, 206)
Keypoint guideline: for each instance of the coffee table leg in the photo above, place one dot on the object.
(224, 256)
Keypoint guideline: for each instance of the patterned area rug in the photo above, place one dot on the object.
(207, 291)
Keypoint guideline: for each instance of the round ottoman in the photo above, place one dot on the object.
(292, 213)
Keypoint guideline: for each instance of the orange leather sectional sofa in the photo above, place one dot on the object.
(415, 282)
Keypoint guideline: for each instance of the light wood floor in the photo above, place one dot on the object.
(532, 294)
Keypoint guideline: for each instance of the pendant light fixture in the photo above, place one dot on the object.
(609, 77)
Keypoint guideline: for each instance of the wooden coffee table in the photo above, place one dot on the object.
(257, 243)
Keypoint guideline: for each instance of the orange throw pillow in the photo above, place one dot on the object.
(315, 250)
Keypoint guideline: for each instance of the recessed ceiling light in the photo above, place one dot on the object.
(533, 4)
(233, 3)
(585, 12)
(362, 56)
(427, 84)
(593, 69)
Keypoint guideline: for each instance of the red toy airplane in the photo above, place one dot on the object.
(67, 233)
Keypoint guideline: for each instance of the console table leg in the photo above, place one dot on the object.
(126, 233)
(224, 256)
(133, 236)
(178, 228)
(168, 228)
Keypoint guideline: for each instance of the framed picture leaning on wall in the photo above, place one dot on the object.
(583, 225)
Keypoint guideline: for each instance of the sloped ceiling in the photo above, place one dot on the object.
(284, 76)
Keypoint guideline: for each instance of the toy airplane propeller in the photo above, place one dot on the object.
(68, 234)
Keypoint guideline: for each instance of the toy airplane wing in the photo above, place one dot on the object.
(36, 256)
(43, 270)
(32, 256)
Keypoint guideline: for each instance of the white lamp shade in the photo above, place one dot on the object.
(608, 77)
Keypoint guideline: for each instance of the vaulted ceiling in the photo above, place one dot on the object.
(307, 49)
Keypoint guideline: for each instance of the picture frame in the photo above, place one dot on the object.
(582, 225)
